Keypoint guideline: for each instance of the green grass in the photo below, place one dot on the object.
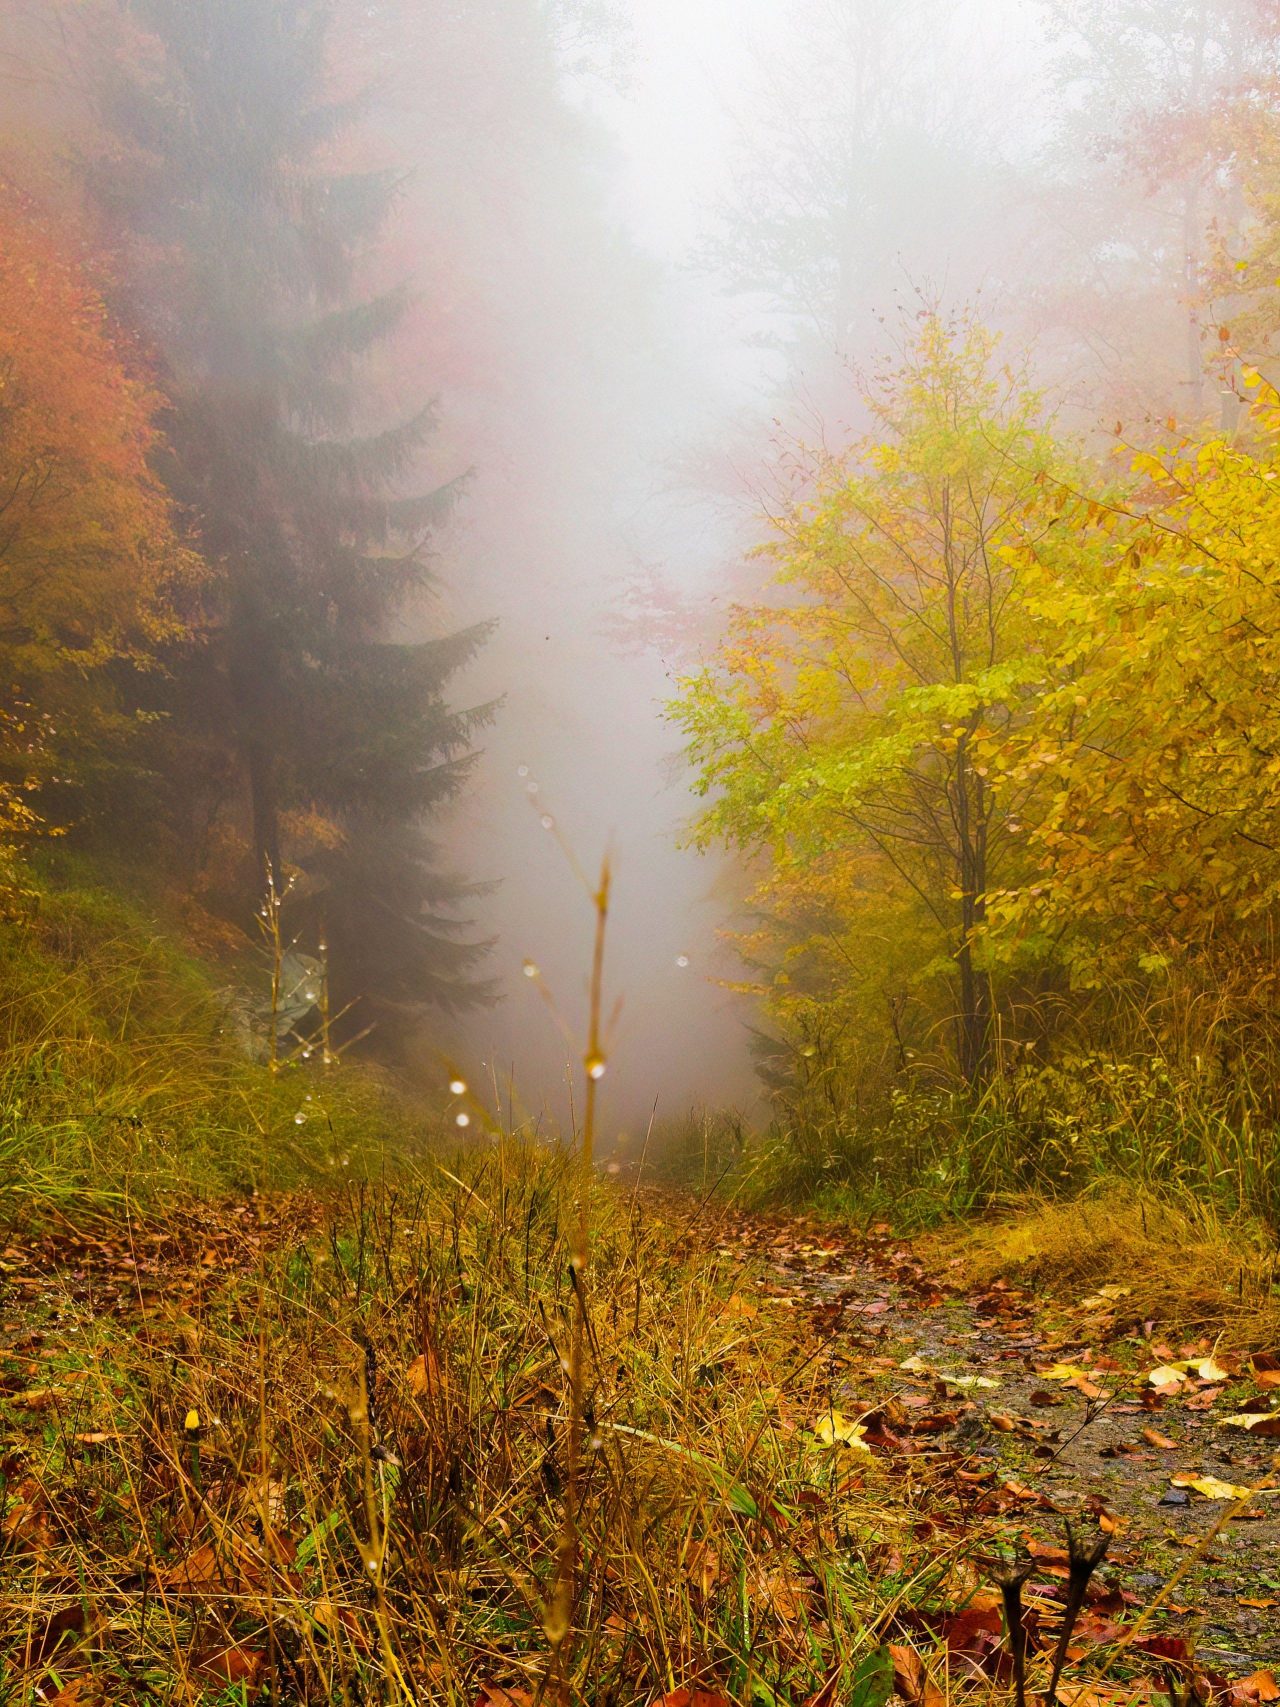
(121, 1075)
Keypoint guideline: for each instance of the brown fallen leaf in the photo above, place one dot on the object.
(692, 1698)
(227, 1567)
(1258, 1686)
(702, 1566)
(494, 1695)
(1153, 1437)
(80, 1692)
(69, 1621)
(911, 1680)
(828, 1695)
(234, 1665)
(423, 1374)
(26, 1523)
(1257, 1605)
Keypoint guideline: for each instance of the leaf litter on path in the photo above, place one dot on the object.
(1077, 1428)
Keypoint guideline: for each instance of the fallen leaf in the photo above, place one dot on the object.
(234, 1665)
(494, 1695)
(1153, 1437)
(1258, 1686)
(423, 1374)
(80, 1692)
(967, 1381)
(1211, 1487)
(1105, 1295)
(228, 1568)
(677, 1698)
(1204, 1368)
(834, 1429)
(702, 1566)
(1257, 1605)
(67, 1622)
(1256, 1422)
(911, 1680)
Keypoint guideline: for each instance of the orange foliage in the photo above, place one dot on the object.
(89, 554)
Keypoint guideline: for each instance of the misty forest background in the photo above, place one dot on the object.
(389, 492)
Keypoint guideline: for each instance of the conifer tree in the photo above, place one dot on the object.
(246, 241)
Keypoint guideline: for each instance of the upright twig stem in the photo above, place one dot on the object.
(559, 1620)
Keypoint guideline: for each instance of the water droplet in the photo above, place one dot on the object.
(307, 1054)
(462, 1120)
(595, 1066)
(547, 821)
(682, 960)
(531, 790)
(458, 1087)
(299, 1118)
(529, 969)
(522, 770)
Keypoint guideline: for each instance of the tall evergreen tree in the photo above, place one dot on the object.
(246, 243)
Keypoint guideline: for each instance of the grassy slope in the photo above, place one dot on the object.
(120, 1073)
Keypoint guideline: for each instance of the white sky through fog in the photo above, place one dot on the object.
(588, 723)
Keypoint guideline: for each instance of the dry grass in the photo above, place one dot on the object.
(371, 1504)
(1187, 1266)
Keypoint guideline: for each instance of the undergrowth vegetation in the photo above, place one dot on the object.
(345, 1470)
(124, 1071)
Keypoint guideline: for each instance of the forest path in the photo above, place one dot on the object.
(961, 1421)
(1047, 1406)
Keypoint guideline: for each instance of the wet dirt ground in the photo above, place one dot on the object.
(1051, 1403)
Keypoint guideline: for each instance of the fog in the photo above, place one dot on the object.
(651, 244)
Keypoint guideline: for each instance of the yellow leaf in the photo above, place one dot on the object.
(1256, 1422)
(833, 1429)
(1211, 1487)
(1065, 1372)
(1168, 1374)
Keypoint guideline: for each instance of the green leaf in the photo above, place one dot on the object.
(872, 1681)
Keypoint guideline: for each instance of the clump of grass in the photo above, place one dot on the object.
(1186, 1264)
